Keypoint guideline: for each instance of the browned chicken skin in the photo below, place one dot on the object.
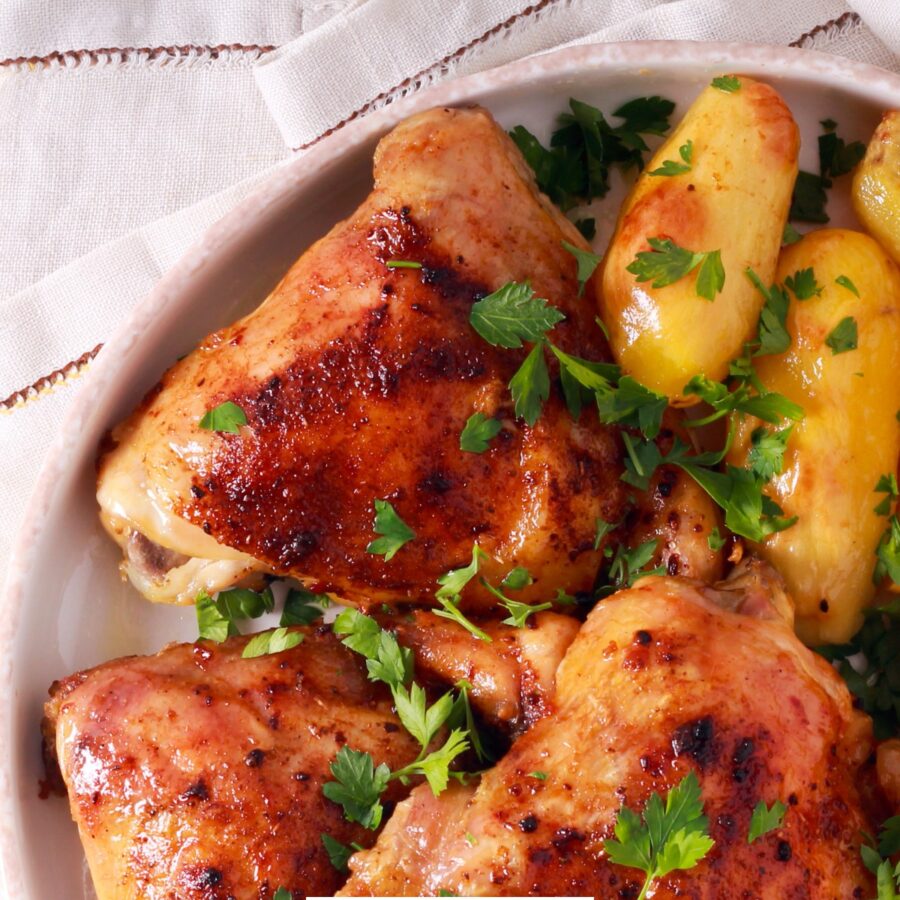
(357, 380)
(663, 679)
(197, 775)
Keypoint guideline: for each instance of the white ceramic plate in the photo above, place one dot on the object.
(66, 607)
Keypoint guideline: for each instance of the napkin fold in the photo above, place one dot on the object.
(364, 54)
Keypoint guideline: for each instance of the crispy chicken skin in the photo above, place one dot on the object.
(198, 774)
(356, 380)
(663, 679)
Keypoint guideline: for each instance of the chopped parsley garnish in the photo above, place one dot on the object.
(845, 282)
(450, 610)
(530, 385)
(303, 607)
(666, 262)
(541, 776)
(765, 819)
(358, 786)
(338, 854)
(766, 455)
(422, 721)
(274, 641)
(601, 529)
(479, 431)
(393, 530)
(877, 861)
(715, 540)
(887, 554)
(772, 336)
(461, 718)
(575, 169)
(403, 264)
(627, 565)
(517, 578)
(770, 406)
(835, 158)
(513, 314)
(803, 284)
(386, 660)
(216, 618)
(875, 679)
(670, 167)
(212, 622)
(887, 484)
(283, 893)
(662, 839)
(843, 336)
(520, 612)
(227, 417)
(452, 582)
(809, 198)
(587, 263)
(727, 83)
(790, 235)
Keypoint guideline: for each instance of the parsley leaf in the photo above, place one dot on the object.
(226, 417)
(803, 284)
(212, 622)
(358, 786)
(274, 641)
(395, 532)
(837, 157)
(421, 720)
(450, 610)
(666, 262)
(530, 385)
(284, 893)
(845, 282)
(517, 578)
(887, 484)
(888, 553)
(363, 632)
(670, 167)
(790, 235)
(601, 529)
(770, 407)
(462, 717)
(541, 776)
(715, 540)
(513, 314)
(338, 854)
(436, 765)
(627, 565)
(587, 263)
(765, 820)
(519, 612)
(452, 582)
(559, 172)
(403, 264)
(386, 660)
(727, 83)
(843, 336)
(809, 198)
(773, 335)
(241, 603)
(303, 607)
(766, 456)
(479, 431)
(664, 839)
(633, 405)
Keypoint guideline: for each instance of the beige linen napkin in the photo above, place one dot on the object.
(364, 55)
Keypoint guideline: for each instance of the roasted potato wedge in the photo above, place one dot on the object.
(734, 198)
(849, 437)
(876, 184)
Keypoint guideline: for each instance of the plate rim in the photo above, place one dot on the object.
(640, 56)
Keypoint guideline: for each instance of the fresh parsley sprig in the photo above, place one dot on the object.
(217, 618)
(803, 284)
(478, 432)
(665, 263)
(664, 838)
(626, 565)
(338, 854)
(843, 337)
(226, 417)
(587, 263)
(670, 168)
(273, 641)
(765, 819)
(303, 607)
(393, 530)
(887, 484)
(512, 314)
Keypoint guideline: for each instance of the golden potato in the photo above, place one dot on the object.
(849, 437)
(735, 199)
(876, 184)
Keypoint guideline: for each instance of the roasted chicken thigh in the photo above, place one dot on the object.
(666, 678)
(356, 380)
